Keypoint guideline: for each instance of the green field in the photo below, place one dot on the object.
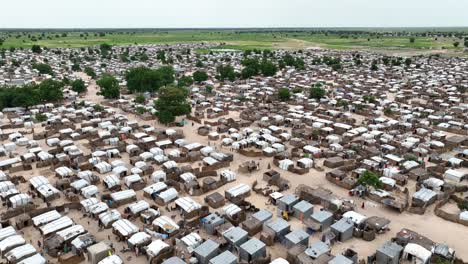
(233, 39)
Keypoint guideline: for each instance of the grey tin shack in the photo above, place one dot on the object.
(252, 250)
(343, 229)
(296, 237)
(206, 251)
(211, 221)
(287, 202)
(303, 210)
(224, 258)
(340, 259)
(280, 227)
(389, 253)
(173, 260)
(263, 216)
(317, 249)
(236, 236)
(324, 218)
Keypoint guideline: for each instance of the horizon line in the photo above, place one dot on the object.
(233, 28)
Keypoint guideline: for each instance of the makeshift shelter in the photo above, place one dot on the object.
(98, 252)
(296, 237)
(224, 258)
(252, 249)
(323, 218)
(212, 221)
(165, 225)
(343, 229)
(278, 227)
(236, 236)
(303, 210)
(416, 253)
(124, 229)
(389, 253)
(112, 259)
(424, 197)
(206, 251)
(155, 249)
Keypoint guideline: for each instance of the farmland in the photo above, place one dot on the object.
(245, 39)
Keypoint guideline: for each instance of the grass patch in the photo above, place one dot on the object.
(225, 39)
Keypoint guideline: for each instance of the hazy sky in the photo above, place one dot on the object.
(236, 13)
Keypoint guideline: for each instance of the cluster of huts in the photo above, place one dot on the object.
(173, 199)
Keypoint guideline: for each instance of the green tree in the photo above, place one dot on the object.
(90, 72)
(36, 49)
(105, 49)
(167, 75)
(369, 99)
(40, 117)
(200, 76)
(140, 110)
(166, 117)
(143, 79)
(143, 57)
(408, 62)
(251, 67)
(316, 92)
(199, 64)
(456, 44)
(109, 86)
(50, 91)
(76, 67)
(463, 206)
(140, 99)
(248, 72)
(370, 179)
(24, 96)
(172, 101)
(209, 89)
(225, 72)
(185, 81)
(289, 60)
(43, 68)
(98, 108)
(412, 39)
(78, 86)
(284, 94)
(268, 68)
(161, 55)
(337, 66)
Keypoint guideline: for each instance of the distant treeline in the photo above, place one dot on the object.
(335, 30)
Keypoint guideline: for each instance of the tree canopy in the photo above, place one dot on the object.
(184, 81)
(36, 49)
(109, 86)
(78, 86)
(31, 94)
(225, 72)
(143, 79)
(50, 91)
(268, 68)
(90, 72)
(43, 68)
(370, 179)
(289, 60)
(316, 92)
(200, 76)
(172, 102)
(284, 94)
